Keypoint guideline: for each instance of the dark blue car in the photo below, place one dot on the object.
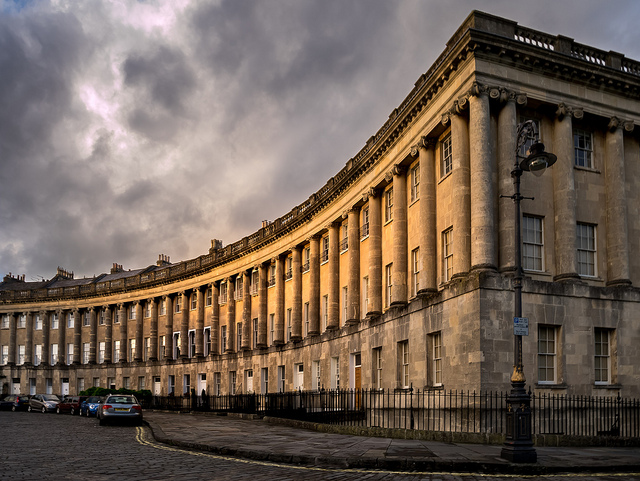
(89, 406)
(15, 402)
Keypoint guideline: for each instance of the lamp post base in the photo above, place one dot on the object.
(518, 447)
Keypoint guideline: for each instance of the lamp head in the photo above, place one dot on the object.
(538, 160)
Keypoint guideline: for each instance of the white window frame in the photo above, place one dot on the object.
(414, 176)
(86, 347)
(415, 271)
(582, 148)
(436, 357)
(377, 367)
(547, 354)
(388, 205)
(388, 276)
(37, 355)
(365, 296)
(446, 156)
(404, 364)
(602, 356)
(586, 242)
(101, 351)
(447, 254)
(532, 243)
(315, 375)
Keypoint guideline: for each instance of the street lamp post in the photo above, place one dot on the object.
(518, 446)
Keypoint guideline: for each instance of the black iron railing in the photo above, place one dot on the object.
(429, 410)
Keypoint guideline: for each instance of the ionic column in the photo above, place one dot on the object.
(13, 339)
(314, 285)
(108, 335)
(246, 310)
(353, 283)
(93, 334)
(462, 192)
(77, 336)
(278, 337)
(481, 176)
(138, 356)
(153, 330)
(296, 307)
(184, 325)
(168, 337)
(334, 276)
(375, 253)
(62, 337)
(215, 318)
(124, 319)
(564, 195)
(400, 241)
(28, 348)
(231, 314)
(615, 183)
(507, 127)
(46, 335)
(263, 272)
(428, 277)
(199, 322)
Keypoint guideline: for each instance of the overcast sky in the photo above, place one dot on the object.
(134, 128)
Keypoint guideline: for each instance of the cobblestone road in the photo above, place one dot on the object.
(48, 446)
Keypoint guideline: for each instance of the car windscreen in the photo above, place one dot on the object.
(122, 400)
(50, 397)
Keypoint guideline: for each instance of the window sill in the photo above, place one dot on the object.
(587, 169)
(607, 386)
(550, 386)
(387, 222)
(447, 175)
(415, 201)
(536, 273)
(364, 238)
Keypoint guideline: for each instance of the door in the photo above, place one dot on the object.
(249, 380)
(298, 373)
(15, 386)
(65, 386)
(156, 386)
(202, 383)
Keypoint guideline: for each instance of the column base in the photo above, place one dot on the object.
(568, 276)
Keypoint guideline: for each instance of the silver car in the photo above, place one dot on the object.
(119, 407)
(43, 402)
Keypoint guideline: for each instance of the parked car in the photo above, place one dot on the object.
(43, 402)
(15, 402)
(120, 407)
(89, 407)
(70, 404)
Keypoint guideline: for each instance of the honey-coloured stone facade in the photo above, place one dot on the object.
(398, 272)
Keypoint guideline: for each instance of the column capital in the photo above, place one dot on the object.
(616, 123)
(566, 110)
(372, 192)
(395, 171)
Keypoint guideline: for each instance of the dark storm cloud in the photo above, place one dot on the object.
(164, 79)
(142, 128)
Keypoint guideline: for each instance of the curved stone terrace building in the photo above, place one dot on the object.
(398, 272)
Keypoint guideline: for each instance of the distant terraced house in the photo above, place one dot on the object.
(398, 272)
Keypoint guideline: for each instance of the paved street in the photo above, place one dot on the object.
(48, 446)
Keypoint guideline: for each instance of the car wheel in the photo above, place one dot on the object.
(44, 409)
(73, 411)
(13, 408)
(57, 410)
(87, 412)
(29, 408)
